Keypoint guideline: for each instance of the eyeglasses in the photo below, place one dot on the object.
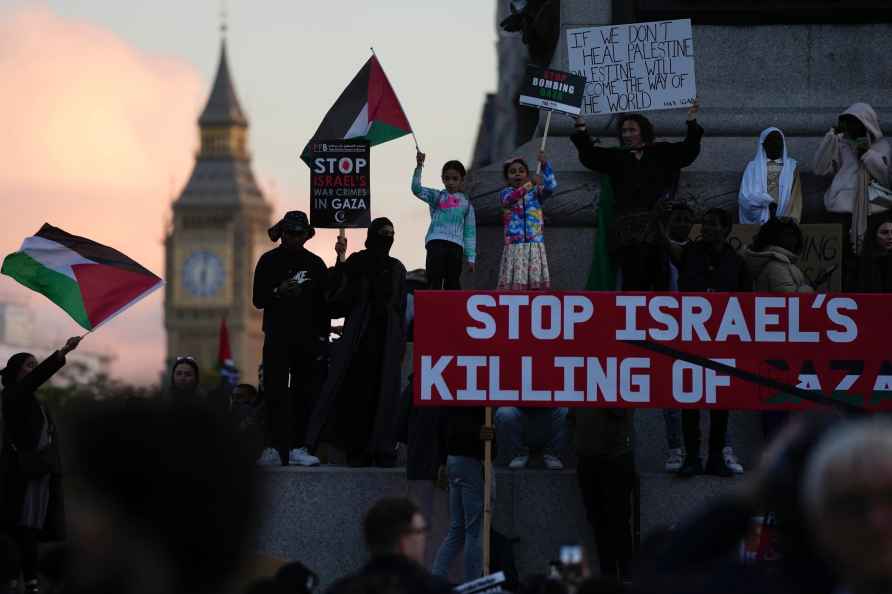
(182, 358)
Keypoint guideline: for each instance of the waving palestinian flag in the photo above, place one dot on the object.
(90, 281)
(368, 109)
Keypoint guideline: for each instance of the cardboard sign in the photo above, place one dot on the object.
(634, 67)
(542, 349)
(554, 90)
(340, 189)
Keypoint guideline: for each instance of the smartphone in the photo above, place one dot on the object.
(571, 563)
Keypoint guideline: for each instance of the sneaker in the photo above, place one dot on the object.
(519, 462)
(302, 457)
(552, 462)
(674, 459)
(731, 460)
(269, 457)
(691, 467)
(716, 466)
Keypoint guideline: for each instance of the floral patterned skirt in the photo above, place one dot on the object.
(524, 267)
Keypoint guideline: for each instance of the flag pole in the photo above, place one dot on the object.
(417, 148)
(544, 138)
(341, 233)
(487, 494)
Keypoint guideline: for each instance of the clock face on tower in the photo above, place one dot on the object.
(203, 273)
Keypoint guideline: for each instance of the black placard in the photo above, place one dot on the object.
(340, 190)
(545, 88)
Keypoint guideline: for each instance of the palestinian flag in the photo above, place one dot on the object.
(90, 281)
(367, 110)
(602, 275)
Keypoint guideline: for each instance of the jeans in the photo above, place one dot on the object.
(672, 417)
(466, 518)
(718, 430)
(541, 428)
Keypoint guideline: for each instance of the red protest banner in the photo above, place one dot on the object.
(576, 349)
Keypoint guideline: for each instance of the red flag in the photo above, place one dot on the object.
(224, 353)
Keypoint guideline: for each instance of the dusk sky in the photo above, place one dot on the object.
(101, 99)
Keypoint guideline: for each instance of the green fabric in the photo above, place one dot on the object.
(379, 132)
(55, 286)
(602, 276)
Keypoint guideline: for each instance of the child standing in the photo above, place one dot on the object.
(524, 265)
(452, 234)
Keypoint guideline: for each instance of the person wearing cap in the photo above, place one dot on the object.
(289, 286)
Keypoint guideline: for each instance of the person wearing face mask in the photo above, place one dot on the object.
(360, 398)
(643, 174)
(855, 153)
(31, 497)
(770, 185)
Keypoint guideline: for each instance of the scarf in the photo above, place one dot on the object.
(754, 196)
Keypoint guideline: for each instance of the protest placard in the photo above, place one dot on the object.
(553, 90)
(583, 349)
(634, 67)
(339, 184)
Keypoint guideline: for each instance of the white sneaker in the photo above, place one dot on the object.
(519, 462)
(674, 459)
(552, 462)
(731, 460)
(302, 457)
(269, 457)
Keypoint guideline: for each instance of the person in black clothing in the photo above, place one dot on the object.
(31, 497)
(289, 286)
(184, 380)
(396, 537)
(874, 270)
(706, 265)
(643, 173)
(361, 394)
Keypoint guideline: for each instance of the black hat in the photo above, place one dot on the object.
(294, 220)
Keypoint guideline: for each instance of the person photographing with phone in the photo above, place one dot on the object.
(289, 286)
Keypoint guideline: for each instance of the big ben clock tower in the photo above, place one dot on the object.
(219, 230)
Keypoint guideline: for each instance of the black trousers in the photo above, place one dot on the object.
(607, 486)
(644, 267)
(289, 408)
(443, 265)
(718, 428)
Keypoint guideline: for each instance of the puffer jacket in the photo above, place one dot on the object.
(775, 270)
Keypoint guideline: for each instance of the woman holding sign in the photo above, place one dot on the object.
(643, 173)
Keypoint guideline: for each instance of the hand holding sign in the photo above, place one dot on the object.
(692, 112)
(341, 247)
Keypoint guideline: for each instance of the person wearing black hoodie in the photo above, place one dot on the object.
(362, 391)
(289, 286)
(31, 496)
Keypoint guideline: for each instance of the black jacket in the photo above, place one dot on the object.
(23, 423)
(702, 269)
(639, 183)
(463, 432)
(297, 320)
(392, 573)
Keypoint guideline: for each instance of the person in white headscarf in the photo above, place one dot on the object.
(770, 184)
(856, 153)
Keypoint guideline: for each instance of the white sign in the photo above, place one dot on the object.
(634, 67)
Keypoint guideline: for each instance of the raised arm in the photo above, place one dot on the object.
(549, 183)
(509, 196)
(429, 195)
(827, 159)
